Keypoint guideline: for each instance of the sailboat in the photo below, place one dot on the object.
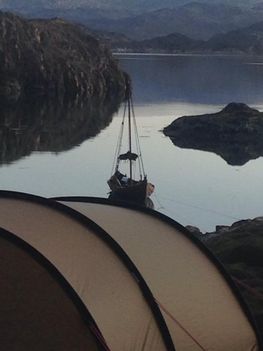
(133, 185)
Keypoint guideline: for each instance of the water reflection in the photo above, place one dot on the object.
(50, 126)
(234, 154)
(194, 79)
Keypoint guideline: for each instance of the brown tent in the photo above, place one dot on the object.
(93, 273)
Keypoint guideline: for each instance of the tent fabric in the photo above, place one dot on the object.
(36, 312)
(199, 307)
(79, 251)
(147, 283)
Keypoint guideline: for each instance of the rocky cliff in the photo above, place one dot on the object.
(240, 248)
(54, 57)
(235, 133)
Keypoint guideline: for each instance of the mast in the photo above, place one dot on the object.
(130, 141)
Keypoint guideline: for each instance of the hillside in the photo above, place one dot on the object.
(54, 57)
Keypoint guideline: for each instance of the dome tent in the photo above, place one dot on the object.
(148, 284)
(94, 266)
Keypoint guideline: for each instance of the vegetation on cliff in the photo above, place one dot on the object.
(54, 57)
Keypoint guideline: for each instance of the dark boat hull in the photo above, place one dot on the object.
(135, 193)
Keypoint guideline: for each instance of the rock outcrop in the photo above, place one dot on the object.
(54, 57)
(235, 133)
(240, 248)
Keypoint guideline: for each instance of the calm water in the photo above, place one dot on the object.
(54, 151)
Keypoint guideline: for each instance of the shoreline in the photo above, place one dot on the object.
(189, 54)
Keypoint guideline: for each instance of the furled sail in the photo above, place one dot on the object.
(131, 156)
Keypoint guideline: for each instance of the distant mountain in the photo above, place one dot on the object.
(196, 19)
(124, 6)
(171, 43)
(96, 8)
(144, 19)
(248, 40)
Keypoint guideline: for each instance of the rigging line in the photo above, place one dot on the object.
(138, 148)
(139, 161)
(141, 172)
(137, 138)
(129, 133)
(200, 208)
(177, 216)
(171, 213)
(119, 142)
(180, 325)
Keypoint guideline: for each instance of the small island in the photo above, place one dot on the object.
(54, 58)
(235, 133)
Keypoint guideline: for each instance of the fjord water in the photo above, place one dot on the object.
(193, 187)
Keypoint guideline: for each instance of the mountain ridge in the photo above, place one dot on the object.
(197, 20)
(143, 19)
(248, 40)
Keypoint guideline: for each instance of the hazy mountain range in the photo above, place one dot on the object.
(125, 6)
(248, 40)
(144, 19)
(191, 23)
(196, 20)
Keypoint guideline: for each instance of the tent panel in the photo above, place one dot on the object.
(104, 284)
(187, 284)
(36, 313)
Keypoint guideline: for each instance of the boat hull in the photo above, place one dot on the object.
(135, 193)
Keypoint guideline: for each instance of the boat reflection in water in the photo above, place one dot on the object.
(50, 125)
(130, 186)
